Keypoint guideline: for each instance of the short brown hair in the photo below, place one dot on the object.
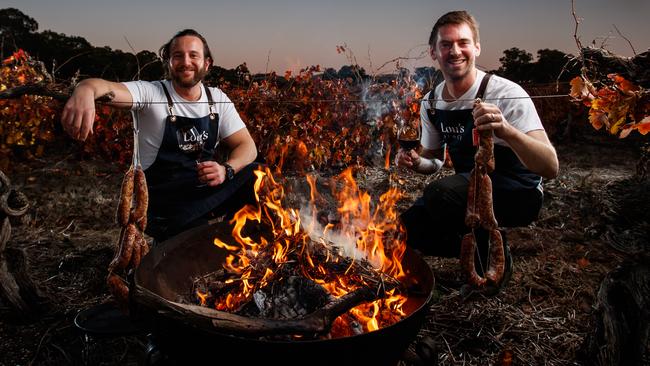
(454, 17)
(165, 50)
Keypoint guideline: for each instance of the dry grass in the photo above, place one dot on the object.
(541, 318)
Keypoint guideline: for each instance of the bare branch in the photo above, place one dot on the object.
(577, 21)
(70, 59)
(405, 58)
(42, 89)
(137, 74)
(625, 38)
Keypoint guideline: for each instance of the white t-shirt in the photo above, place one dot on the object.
(150, 105)
(513, 101)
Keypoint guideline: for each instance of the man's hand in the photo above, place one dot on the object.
(211, 173)
(533, 148)
(407, 158)
(78, 114)
(488, 116)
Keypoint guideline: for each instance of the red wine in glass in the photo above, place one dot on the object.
(408, 144)
(408, 137)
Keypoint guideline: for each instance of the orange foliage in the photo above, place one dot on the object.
(27, 122)
(621, 106)
(299, 122)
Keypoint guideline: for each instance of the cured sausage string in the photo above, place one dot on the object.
(131, 216)
(480, 214)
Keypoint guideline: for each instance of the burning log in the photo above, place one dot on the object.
(316, 323)
(16, 286)
(283, 307)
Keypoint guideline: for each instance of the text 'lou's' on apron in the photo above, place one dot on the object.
(455, 127)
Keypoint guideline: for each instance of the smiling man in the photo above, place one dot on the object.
(180, 122)
(523, 153)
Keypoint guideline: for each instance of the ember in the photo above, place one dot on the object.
(289, 263)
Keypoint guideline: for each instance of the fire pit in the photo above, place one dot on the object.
(194, 333)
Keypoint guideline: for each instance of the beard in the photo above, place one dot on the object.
(177, 77)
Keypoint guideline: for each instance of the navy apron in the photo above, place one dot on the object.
(176, 196)
(455, 127)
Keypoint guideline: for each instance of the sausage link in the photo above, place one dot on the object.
(485, 154)
(496, 268)
(485, 206)
(141, 199)
(125, 248)
(126, 198)
(467, 249)
(471, 216)
(119, 290)
(137, 250)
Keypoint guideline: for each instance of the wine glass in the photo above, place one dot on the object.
(408, 135)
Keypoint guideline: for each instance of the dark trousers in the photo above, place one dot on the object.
(435, 224)
(235, 194)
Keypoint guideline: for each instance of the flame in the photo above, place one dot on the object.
(387, 158)
(363, 232)
(203, 297)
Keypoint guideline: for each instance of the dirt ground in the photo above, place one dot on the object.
(542, 317)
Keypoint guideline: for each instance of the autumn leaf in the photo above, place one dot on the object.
(505, 358)
(583, 263)
(580, 91)
(623, 84)
(643, 127)
(597, 118)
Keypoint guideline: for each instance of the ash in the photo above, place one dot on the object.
(289, 298)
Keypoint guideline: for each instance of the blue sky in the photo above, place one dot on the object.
(290, 34)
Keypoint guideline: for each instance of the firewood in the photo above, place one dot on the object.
(318, 322)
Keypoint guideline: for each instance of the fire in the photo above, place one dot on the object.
(271, 236)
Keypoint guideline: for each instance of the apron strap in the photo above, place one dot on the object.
(481, 88)
(210, 102)
(170, 104)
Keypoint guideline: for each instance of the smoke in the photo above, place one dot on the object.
(345, 243)
(388, 102)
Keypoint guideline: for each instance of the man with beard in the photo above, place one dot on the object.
(180, 122)
(435, 224)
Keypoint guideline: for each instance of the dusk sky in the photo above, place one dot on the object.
(291, 34)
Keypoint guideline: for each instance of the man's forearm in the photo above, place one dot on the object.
(242, 155)
(536, 152)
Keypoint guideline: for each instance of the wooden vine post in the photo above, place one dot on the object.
(17, 289)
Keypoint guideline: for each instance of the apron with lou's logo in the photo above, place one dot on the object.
(176, 196)
(455, 127)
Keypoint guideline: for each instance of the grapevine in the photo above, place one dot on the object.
(299, 122)
(618, 105)
(27, 122)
